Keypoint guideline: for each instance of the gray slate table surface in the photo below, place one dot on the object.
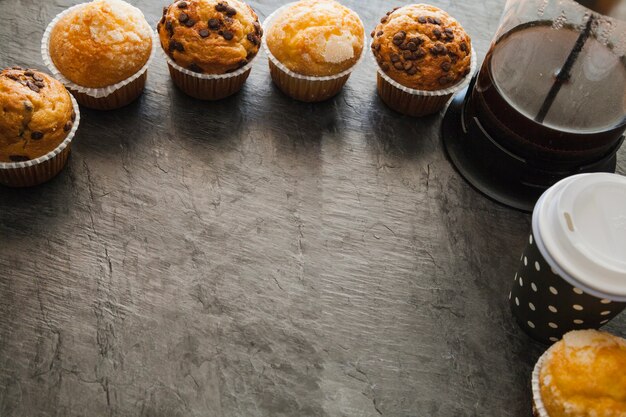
(258, 256)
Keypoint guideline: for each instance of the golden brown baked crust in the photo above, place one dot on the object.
(585, 376)
(101, 43)
(36, 114)
(422, 47)
(316, 38)
(210, 36)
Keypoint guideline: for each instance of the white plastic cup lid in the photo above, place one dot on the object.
(580, 225)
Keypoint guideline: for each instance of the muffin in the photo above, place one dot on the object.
(421, 52)
(312, 46)
(37, 118)
(582, 376)
(209, 45)
(102, 44)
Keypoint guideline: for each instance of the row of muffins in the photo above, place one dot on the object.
(209, 45)
(100, 51)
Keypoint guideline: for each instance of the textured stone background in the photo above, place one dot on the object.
(258, 257)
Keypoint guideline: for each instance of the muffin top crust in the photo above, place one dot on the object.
(101, 43)
(584, 376)
(36, 114)
(316, 38)
(210, 36)
(422, 47)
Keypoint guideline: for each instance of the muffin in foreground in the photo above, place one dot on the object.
(583, 375)
(421, 52)
(37, 122)
(101, 45)
(210, 45)
(312, 46)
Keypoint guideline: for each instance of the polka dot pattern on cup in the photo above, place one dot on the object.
(547, 306)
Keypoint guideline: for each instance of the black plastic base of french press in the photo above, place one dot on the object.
(495, 171)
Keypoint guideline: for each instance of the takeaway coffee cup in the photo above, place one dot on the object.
(572, 274)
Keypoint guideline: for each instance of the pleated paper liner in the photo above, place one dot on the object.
(106, 98)
(208, 86)
(539, 409)
(418, 103)
(302, 87)
(42, 169)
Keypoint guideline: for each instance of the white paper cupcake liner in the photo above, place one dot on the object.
(92, 92)
(201, 76)
(443, 92)
(27, 172)
(539, 410)
(267, 23)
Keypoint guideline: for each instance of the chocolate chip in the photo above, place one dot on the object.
(448, 31)
(195, 68)
(13, 77)
(73, 115)
(384, 19)
(453, 57)
(189, 23)
(408, 65)
(463, 47)
(253, 38)
(412, 70)
(182, 5)
(384, 66)
(228, 35)
(399, 36)
(376, 47)
(28, 106)
(431, 20)
(221, 7)
(40, 84)
(446, 66)
(204, 33)
(373, 33)
(32, 86)
(36, 135)
(19, 158)
(183, 17)
(399, 66)
(437, 21)
(411, 46)
(439, 48)
(231, 11)
(416, 40)
(169, 28)
(444, 80)
(17, 68)
(437, 33)
(397, 41)
(422, 19)
(420, 53)
(395, 57)
(214, 24)
(165, 9)
(403, 47)
(176, 46)
(29, 73)
(67, 127)
(407, 55)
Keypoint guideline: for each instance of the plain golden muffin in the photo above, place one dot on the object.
(210, 36)
(101, 43)
(36, 114)
(316, 38)
(422, 47)
(584, 375)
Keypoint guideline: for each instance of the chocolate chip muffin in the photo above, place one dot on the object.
(210, 36)
(316, 38)
(36, 114)
(422, 47)
(101, 43)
